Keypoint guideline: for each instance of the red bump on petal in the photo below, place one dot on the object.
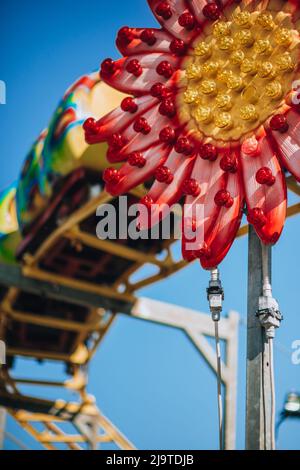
(136, 159)
(148, 37)
(229, 163)
(147, 201)
(167, 108)
(208, 152)
(191, 187)
(187, 21)
(108, 67)
(90, 126)
(223, 198)
(177, 47)
(117, 142)
(111, 176)
(134, 67)
(279, 123)
(160, 91)
(184, 145)
(229, 203)
(125, 36)
(142, 125)
(167, 135)
(164, 10)
(165, 69)
(265, 176)
(211, 11)
(257, 217)
(128, 105)
(163, 174)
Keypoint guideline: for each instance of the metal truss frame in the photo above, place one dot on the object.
(104, 303)
(93, 428)
(71, 425)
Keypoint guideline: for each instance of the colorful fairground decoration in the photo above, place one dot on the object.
(212, 114)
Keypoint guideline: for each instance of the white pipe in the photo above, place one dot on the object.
(214, 274)
(267, 288)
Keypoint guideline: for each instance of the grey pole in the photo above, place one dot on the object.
(2, 426)
(258, 400)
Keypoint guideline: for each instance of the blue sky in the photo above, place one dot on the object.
(148, 379)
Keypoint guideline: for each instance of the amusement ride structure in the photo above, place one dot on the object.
(150, 114)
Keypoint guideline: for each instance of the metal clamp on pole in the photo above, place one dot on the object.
(215, 296)
(268, 309)
(269, 316)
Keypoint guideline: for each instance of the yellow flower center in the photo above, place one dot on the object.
(238, 74)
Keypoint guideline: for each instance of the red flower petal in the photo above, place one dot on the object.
(178, 7)
(137, 141)
(169, 194)
(141, 85)
(288, 144)
(130, 176)
(271, 200)
(137, 46)
(203, 207)
(226, 226)
(117, 120)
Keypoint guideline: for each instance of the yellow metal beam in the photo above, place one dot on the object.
(74, 219)
(109, 433)
(101, 337)
(112, 248)
(38, 354)
(293, 185)
(47, 438)
(58, 432)
(293, 210)
(32, 431)
(43, 383)
(39, 274)
(25, 416)
(84, 212)
(51, 322)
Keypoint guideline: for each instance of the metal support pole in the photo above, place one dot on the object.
(231, 383)
(2, 426)
(258, 402)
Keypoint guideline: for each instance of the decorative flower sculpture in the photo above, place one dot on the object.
(212, 115)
